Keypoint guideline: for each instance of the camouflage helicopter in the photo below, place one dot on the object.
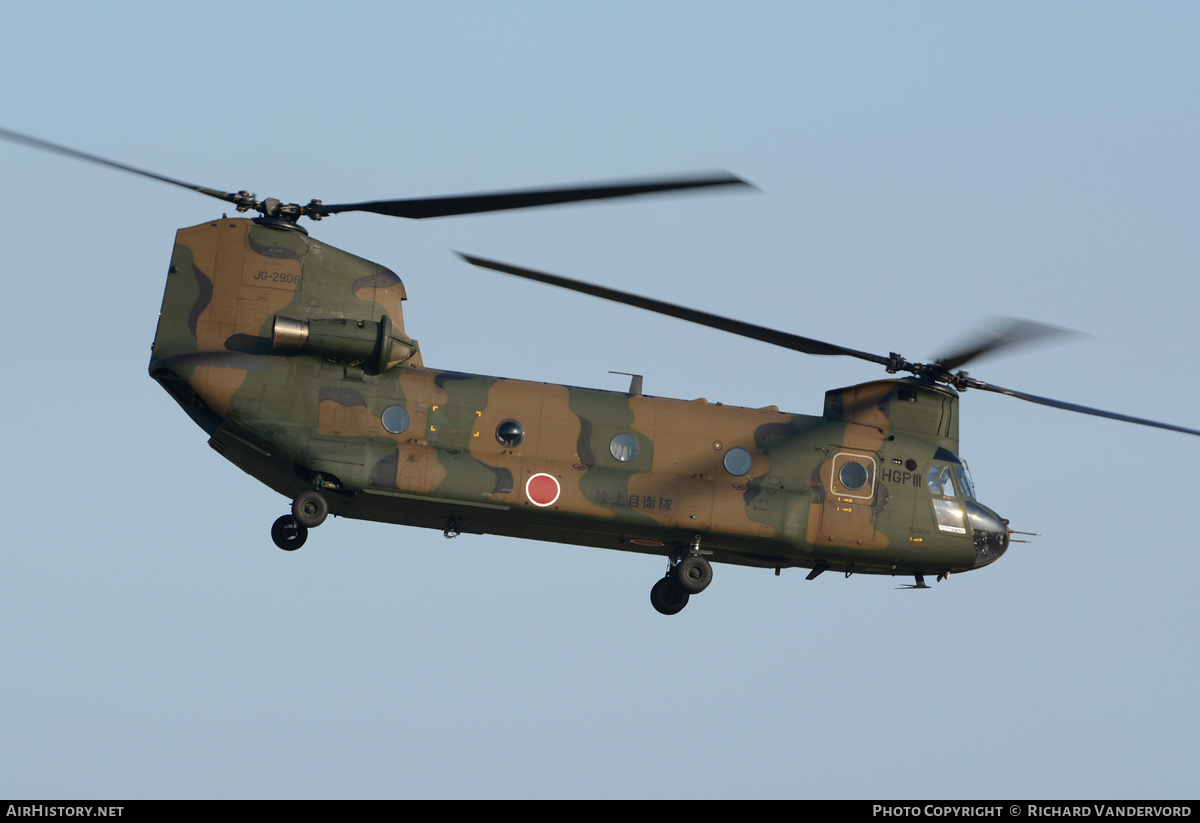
(293, 357)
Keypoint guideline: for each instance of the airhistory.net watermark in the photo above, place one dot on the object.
(43, 810)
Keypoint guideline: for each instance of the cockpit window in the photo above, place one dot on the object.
(945, 481)
(964, 481)
(949, 515)
(947, 510)
(939, 481)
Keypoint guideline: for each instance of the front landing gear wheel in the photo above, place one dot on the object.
(693, 574)
(310, 509)
(667, 597)
(288, 533)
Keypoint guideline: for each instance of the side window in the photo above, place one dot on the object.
(939, 481)
(624, 447)
(949, 515)
(510, 433)
(946, 509)
(738, 461)
(853, 475)
(396, 419)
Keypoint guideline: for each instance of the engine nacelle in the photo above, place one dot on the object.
(373, 346)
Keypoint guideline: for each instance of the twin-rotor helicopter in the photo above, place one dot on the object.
(293, 357)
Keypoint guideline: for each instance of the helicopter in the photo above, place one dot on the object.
(292, 356)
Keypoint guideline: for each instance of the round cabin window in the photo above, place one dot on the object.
(624, 447)
(737, 461)
(853, 476)
(395, 419)
(510, 433)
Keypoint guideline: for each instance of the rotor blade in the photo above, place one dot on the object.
(794, 342)
(1059, 404)
(45, 145)
(422, 207)
(1012, 332)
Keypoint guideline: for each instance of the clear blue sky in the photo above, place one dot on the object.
(922, 167)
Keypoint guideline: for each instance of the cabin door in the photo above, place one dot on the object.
(848, 481)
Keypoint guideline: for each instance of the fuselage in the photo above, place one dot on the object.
(292, 356)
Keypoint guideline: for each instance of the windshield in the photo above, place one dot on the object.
(948, 485)
(943, 479)
(964, 481)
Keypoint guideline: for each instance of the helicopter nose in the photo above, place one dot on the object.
(989, 531)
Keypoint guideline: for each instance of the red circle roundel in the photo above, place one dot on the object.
(542, 490)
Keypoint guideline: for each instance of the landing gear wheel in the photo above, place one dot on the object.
(693, 574)
(667, 597)
(288, 533)
(310, 509)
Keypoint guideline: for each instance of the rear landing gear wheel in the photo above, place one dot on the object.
(693, 574)
(668, 597)
(310, 509)
(288, 533)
